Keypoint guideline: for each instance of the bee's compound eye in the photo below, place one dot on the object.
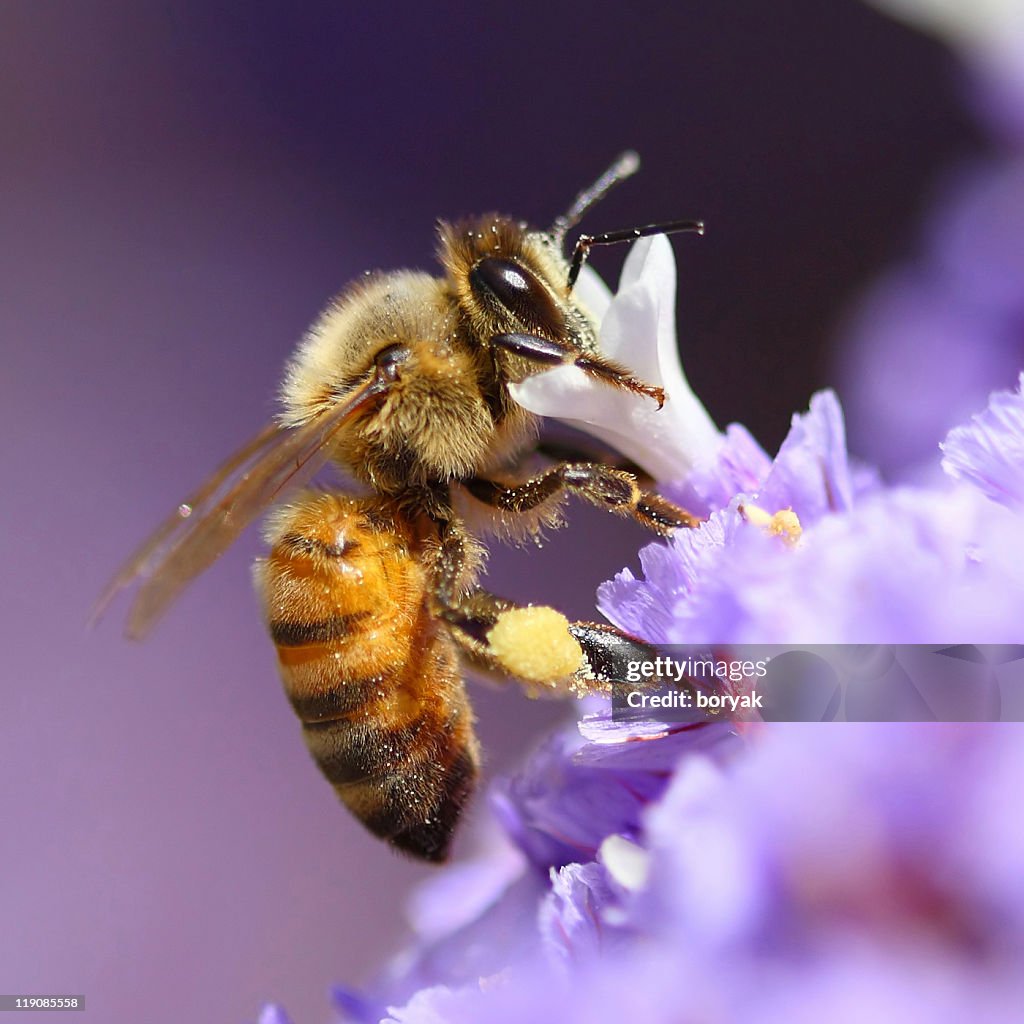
(389, 359)
(517, 289)
(506, 280)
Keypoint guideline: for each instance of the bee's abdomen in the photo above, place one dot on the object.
(373, 677)
(407, 783)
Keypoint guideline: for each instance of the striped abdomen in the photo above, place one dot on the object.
(373, 676)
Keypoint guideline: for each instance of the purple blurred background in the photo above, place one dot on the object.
(183, 187)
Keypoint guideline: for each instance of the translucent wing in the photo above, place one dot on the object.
(202, 528)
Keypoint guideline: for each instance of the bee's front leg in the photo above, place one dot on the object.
(545, 353)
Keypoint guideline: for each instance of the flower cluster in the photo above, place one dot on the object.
(693, 872)
(862, 874)
(873, 565)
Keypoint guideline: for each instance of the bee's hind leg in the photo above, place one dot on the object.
(535, 645)
(541, 649)
(612, 655)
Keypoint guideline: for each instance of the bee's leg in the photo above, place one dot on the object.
(540, 649)
(612, 654)
(585, 242)
(535, 645)
(608, 488)
(457, 562)
(545, 353)
(471, 619)
(470, 612)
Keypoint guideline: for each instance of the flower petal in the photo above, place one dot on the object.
(989, 451)
(811, 473)
(592, 293)
(637, 330)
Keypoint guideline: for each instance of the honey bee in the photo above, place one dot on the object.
(372, 599)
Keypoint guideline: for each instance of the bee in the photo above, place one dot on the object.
(373, 598)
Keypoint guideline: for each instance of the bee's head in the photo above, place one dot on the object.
(510, 279)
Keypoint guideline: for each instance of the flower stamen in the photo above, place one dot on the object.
(784, 523)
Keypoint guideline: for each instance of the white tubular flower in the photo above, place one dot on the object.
(637, 330)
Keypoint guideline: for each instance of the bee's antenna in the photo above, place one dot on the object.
(626, 164)
(583, 244)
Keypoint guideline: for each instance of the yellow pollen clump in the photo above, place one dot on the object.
(535, 644)
(783, 524)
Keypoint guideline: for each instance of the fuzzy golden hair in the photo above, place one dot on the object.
(435, 423)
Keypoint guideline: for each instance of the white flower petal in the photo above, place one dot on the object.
(638, 330)
(593, 293)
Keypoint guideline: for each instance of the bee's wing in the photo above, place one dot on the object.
(207, 523)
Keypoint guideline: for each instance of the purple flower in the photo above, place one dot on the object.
(573, 919)
(558, 810)
(811, 474)
(739, 466)
(825, 842)
(989, 452)
(828, 874)
(898, 566)
(571, 795)
(493, 927)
